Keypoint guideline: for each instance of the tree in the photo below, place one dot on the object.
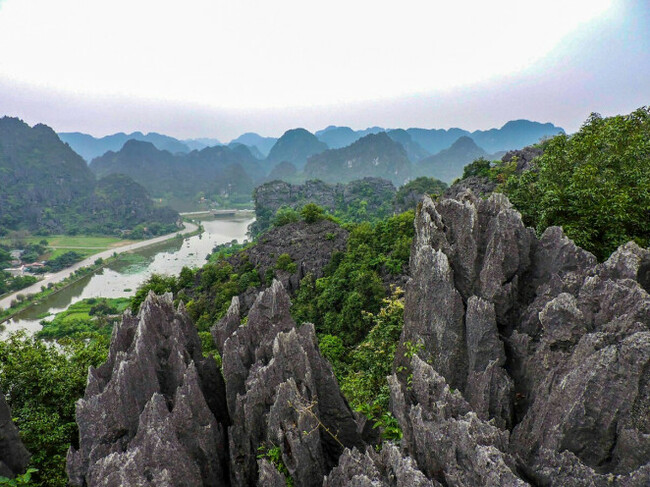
(595, 184)
(42, 384)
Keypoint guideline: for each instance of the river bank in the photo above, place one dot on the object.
(53, 278)
(121, 276)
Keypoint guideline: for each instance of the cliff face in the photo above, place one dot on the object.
(13, 455)
(523, 356)
(522, 362)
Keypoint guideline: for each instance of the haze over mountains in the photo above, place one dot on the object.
(47, 187)
(183, 171)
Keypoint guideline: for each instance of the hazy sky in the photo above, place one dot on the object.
(206, 68)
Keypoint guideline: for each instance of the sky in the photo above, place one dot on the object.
(215, 68)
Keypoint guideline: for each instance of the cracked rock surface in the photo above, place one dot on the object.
(522, 360)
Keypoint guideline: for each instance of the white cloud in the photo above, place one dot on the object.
(260, 54)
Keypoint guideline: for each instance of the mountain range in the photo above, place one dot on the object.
(47, 187)
(219, 171)
(173, 169)
(375, 155)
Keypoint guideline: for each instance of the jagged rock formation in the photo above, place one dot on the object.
(479, 185)
(13, 455)
(523, 157)
(522, 361)
(547, 352)
(371, 469)
(155, 412)
(281, 391)
(158, 411)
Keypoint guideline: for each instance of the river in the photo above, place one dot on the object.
(123, 276)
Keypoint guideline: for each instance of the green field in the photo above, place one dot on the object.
(86, 316)
(85, 245)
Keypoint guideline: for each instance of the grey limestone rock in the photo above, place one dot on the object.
(389, 467)
(283, 393)
(548, 353)
(13, 455)
(154, 413)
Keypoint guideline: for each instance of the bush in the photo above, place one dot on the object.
(312, 213)
(42, 384)
(284, 263)
(284, 216)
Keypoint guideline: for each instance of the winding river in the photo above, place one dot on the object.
(123, 276)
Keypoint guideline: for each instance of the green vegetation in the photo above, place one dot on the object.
(42, 384)
(353, 283)
(284, 263)
(408, 195)
(284, 216)
(47, 188)
(87, 316)
(278, 203)
(274, 455)
(363, 370)
(595, 184)
(23, 479)
(312, 213)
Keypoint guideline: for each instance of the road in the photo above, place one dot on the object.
(59, 276)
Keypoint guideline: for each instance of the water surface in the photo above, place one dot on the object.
(123, 276)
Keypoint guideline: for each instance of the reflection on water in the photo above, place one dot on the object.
(123, 276)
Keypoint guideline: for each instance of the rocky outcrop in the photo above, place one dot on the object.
(522, 359)
(159, 413)
(387, 467)
(310, 246)
(376, 193)
(13, 455)
(479, 185)
(155, 412)
(282, 393)
(523, 157)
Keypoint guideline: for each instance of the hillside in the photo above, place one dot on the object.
(515, 134)
(375, 155)
(435, 140)
(295, 146)
(49, 188)
(363, 199)
(90, 147)
(448, 164)
(218, 171)
(251, 139)
(414, 151)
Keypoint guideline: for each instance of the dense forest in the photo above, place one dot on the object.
(345, 254)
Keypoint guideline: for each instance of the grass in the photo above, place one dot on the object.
(85, 245)
(77, 319)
